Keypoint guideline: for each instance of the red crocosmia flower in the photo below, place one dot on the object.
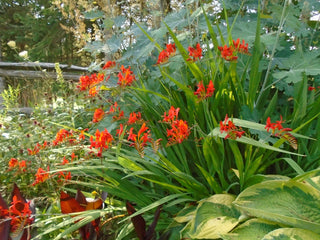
(84, 83)
(101, 141)
(178, 133)
(87, 82)
(119, 116)
(13, 163)
(68, 176)
(41, 176)
(114, 108)
(81, 135)
(226, 125)
(73, 156)
(166, 53)
(172, 114)
(171, 49)
(109, 64)
(140, 140)
(240, 47)
(210, 89)
(195, 53)
(278, 124)
(203, 93)
(310, 88)
(232, 130)
(98, 115)
(34, 151)
(143, 134)
(96, 79)
(228, 53)
(126, 77)
(179, 129)
(93, 91)
(132, 136)
(134, 117)
(269, 125)
(64, 161)
(120, 130)
(163, 57)
(37, 148)
(279, 131)
(61, 136)
(64, 176)
(23, 166)
(277, 128)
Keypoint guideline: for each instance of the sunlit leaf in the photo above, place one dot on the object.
(292, 67)
(214, 216)
(252, 229)
(291, 234)
(287, 202)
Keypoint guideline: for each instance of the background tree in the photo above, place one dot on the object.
(38, 27)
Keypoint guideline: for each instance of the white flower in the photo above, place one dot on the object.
(12, 44)
(23, 54)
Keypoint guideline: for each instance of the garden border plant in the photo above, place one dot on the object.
(195, 135)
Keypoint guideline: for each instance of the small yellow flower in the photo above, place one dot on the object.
(94, 193)
(12, 44)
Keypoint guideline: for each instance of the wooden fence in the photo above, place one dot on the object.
(34, 70)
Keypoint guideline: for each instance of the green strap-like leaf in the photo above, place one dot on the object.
(191, 65)
(216, 133)
(155, 204)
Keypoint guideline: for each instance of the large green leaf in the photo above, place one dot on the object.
(214, 216)
(288, 202)
(251, 230)
(177, 19)
(186, 214)
(293, 67)
(291, 234)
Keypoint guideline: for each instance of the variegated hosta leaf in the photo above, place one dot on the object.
(255, 228)
(214, 216)
(284, 201)
(291, 234)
